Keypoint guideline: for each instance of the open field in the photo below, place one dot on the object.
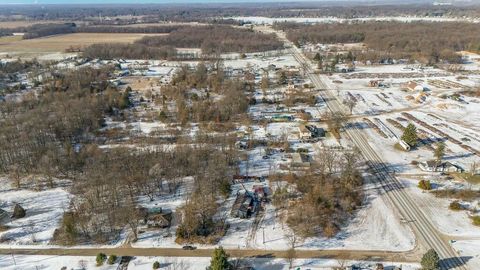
(160, 24)
(61, 42)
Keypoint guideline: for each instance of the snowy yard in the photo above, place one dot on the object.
(44, 211)
(186, 263)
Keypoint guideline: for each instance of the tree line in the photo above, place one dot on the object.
(42, 30)
(129, 51)
(424, 41)
(158, 29)
(205, 13)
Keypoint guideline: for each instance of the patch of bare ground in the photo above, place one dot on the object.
(60, 43)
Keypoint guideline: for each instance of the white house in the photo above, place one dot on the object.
(439, 166)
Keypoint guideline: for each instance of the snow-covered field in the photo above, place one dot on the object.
(171, 263)
(44, 210)
(470, 251)
(374, 227)
(452, 223)
(25, 262)
(459, 119)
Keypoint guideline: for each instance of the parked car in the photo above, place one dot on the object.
(189, 247)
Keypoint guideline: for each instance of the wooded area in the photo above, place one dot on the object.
(221, 101)
(128, 51)
(53, 135)
(216, 39)
(427, 42)
(213, 40)
(327, 195)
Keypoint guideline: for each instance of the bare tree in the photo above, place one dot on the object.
(15, 175)
(350, 103)
(131, 216)
(291, 255)
(328, 158)
(473, 168)
(31, 231)
(292, 240)
(341, 261)
(178, 264)
(82, 264)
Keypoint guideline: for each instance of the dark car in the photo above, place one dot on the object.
(189, 247)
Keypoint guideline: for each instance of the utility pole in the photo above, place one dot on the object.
(13, 256)
(263, 235)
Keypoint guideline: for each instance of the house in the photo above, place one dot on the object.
(373, 83)
(344, 68)
(260, 192)
(413, 86)
(300, 161)
(315, 131)
(377, 83)
(439, 166)
(156, 217)
(244, 205)
(304, 133)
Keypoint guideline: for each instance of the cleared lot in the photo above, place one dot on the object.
(62, 42)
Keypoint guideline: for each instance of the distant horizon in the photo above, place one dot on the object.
(79, 2)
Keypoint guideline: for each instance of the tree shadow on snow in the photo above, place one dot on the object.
(454, 262)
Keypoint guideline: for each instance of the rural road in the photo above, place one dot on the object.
(382, 256)
(426, 234)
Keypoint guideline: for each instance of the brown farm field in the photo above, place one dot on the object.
(15, 24)
(59, 43)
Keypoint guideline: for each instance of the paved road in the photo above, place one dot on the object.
(381, 256)
(426, 234)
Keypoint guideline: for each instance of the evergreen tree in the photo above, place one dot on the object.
(219, 260)
(317, 57)
(439, 151)
(350, 56)
(320, 64)
(282, 78)
(101, 258)
(410, 135)
(425, 184)
(337, 59)
(430, 260)
(162, 116)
